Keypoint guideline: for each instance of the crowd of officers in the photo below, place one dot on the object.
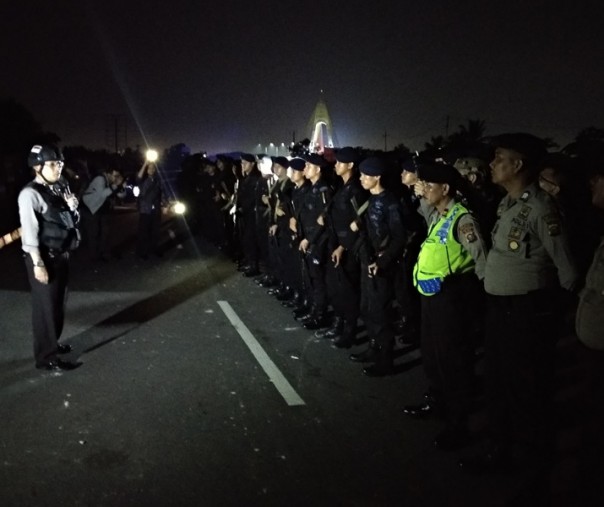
(483, 252)
(450, 257)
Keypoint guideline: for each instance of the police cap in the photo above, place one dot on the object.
(297, 164)
(439, 173)
(372, 166)
(315, 159)
(347, 155)
(530, 147)
(282, 161)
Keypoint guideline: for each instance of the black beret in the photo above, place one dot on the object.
(315, 159)
(439, 173)
(297, 164)
(248, 157)
(532, 148)
(282, 161)
(372, 166)
(411, 165)
(347, 155)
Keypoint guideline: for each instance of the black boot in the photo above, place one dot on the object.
(332, 332)
(346, 338)
(305, 313)
(367, 356)
(317, 321)
(285, 294)
(274, 291)
(384, 363)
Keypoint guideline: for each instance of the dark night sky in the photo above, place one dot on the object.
(226, 75)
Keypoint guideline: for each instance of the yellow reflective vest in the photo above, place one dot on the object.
(441, 254)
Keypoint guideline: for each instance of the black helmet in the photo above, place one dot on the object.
(41, 153)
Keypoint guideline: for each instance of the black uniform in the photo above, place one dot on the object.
(344, 281)
(385, 237)
(313, 205)
(295, 266)
(280, 243)
(246, 207)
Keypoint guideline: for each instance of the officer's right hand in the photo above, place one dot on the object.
(304, 245)
(41, 274)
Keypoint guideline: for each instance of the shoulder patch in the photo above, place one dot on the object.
(552, 221)
(468, 231)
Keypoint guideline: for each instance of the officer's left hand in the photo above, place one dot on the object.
(336, 256)
(372, 269)
(71, 201)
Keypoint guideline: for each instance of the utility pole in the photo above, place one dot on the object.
(115, 126)
(113, 131)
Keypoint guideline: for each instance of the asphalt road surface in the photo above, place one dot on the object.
(198, 389)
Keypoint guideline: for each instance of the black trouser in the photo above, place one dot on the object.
(591, 422)
(48, 305)
(448, 346)
(521, 334)
(148, 232)
(96, 233)
(249, 240)
(344, 287)
(318, 287)
(406, 294)
(376, 309)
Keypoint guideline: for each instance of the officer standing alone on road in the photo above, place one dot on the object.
(49, 217)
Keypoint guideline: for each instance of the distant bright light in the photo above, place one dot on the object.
(136, 191)
(151, 155)
(179, 208)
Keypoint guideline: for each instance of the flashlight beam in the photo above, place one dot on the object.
(274, 374)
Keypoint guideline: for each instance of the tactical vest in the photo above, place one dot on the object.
(58, 231)
(441, 254)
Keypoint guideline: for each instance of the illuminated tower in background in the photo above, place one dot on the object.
(320, 128)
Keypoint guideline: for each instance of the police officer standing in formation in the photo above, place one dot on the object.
(447, 274)
(528, 265)
(342, 269)
(384, 238)
(49, 218)
(246, 209)
(300, 300)
(278, 232)
(408, 325)
(313, 244)
(589, 327)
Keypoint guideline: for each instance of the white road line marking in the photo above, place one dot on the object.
(285, 389)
